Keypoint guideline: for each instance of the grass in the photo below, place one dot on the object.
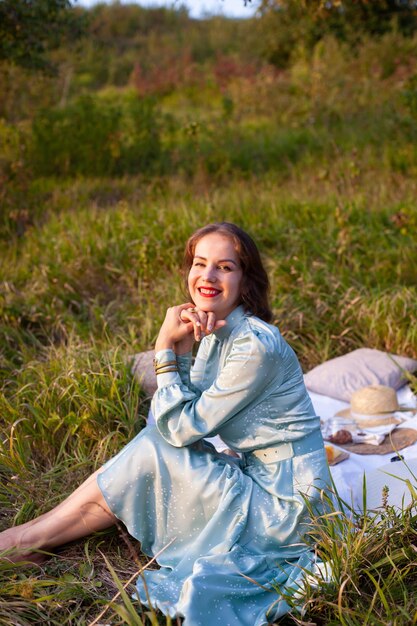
(372, 560)
(86, 288)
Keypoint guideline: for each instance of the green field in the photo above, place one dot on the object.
(103, 181)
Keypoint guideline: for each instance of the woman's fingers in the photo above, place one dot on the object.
(203, 322)
(191, 315)
(211, 321)
(199, 319)
(183, 324)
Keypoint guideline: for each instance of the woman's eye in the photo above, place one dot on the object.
(198, 263)
(226, 268)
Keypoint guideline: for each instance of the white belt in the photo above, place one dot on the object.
(278, 453)
(288, 449)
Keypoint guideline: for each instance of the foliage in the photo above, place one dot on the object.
(235, 117)
(96, 136)
(15, 178)
(119, 42)
(127, 38)
(287, 24)
(28, 29)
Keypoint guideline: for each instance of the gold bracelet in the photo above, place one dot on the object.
(157, 365)
(165, 371)
(168, 368)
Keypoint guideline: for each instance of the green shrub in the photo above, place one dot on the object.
(96, 136)
(15, 177)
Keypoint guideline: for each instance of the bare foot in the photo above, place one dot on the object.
(29, 558)
(14, 550)
(83, 512)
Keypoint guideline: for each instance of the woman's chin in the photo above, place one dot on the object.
(206, 306)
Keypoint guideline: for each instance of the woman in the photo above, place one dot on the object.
(226, 528)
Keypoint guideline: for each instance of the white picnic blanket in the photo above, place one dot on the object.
(348, 475)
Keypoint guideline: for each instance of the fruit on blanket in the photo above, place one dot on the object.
(341, 437)
(332, 453)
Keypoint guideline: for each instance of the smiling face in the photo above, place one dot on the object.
(215, 277)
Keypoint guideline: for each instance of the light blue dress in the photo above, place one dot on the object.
(232, 529)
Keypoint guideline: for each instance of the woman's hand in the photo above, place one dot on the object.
(174, 332)
(204, 322)
(182, 325)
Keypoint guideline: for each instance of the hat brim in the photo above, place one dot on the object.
(371, 421)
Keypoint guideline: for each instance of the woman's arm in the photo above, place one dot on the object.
(182, 325)
(183, 416)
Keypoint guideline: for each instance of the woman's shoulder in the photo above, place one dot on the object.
(257, 325)
(252, 329)
(252, 324)
(266, 342)
(245, 331)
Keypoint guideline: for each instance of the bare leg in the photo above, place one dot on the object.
(83, 512)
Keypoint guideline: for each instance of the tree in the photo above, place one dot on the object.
(30, 28)
(285, 23)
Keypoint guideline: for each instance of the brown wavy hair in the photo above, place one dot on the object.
(255, 283)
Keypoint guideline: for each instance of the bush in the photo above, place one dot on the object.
(15, 177)
(96, 136)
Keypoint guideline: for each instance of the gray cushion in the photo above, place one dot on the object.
(340, 377)
(143, 371)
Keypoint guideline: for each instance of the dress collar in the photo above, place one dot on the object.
(233, 319)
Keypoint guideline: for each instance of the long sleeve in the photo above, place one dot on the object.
(183, 417)
(184, 366)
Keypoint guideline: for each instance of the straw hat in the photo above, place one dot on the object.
(372, 406)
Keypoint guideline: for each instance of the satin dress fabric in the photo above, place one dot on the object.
(229, 532)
